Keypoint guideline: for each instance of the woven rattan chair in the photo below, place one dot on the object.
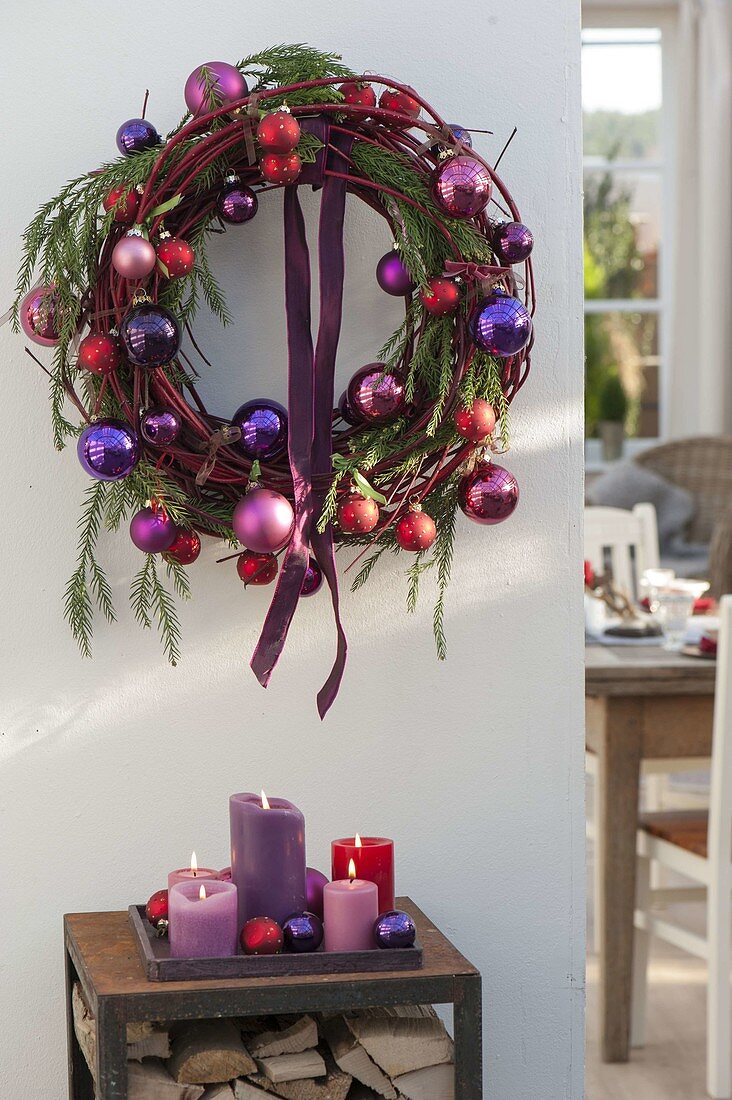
(703, 466)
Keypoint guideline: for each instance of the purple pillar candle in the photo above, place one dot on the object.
(267, 857)
(203, 920)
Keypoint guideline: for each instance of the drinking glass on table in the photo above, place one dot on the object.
(654, 581)
(675, 608)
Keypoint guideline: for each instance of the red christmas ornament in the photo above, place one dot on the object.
(281, 167)
(394, 100)
(185, 547)
(357, 515)
(443, 296)
(157, 908)
(477, 422)
(262, 936)
(126, 212)
(175, 257)
(489, 494)
(100, 353)
(360, 95)
(278, 132)
(416, 530)
(256, 568)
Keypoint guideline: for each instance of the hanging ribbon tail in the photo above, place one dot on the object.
(300, 401)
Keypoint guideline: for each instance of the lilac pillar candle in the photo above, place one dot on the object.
(267, 856)
(203, 920)
(350, 909)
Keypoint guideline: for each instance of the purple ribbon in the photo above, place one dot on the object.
(310, 400)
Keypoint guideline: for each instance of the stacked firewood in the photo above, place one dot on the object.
(401, 1053)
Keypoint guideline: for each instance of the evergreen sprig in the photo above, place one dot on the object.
(88, 578)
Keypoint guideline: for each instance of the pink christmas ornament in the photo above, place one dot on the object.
(133, 257)
(263, 521)
(152, 531)
(39, 315)
(212, 85)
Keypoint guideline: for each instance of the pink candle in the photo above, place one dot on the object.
(203, 922)
(350, 908)
(194, 873)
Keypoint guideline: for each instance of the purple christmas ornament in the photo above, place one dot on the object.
(236, 203)
(394, 929)
(312, 580)
(303, 932)
(136, 135)
(461, 187)
(316, 882)
(512, 242)
(459, 133)
(108, 450)
(263, 426)
(263, 521)
(392, 276)
(151, 335)
(500, 324)
(39, 316)
(160, 426)
(374, 395)
(489, 494)
(152, 530)
(213, 84)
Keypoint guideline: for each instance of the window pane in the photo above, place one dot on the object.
(622, 346)
(621, 93)
(622, 234)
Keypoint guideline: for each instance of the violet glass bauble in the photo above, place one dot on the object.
(39, 315)
(236, 203)
(263, 521)
(375, 394)
(108, 449)
(160, 426)
(315, 883)
(263, 425)
(393, 276)
(136, 135)
(150, 334)
(394, 929)
(513, 242)
(489, 494)
(152, 530)
(133, 257)
(213, 84)
(303, 932)
(461, 186)
(500, 324)
(312, 580)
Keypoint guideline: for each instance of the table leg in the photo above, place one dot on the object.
(619, 759)
(111, 1050)
(468, 1017)
(81, 1085)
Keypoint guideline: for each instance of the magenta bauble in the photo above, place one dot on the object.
(375, 395)
(392, 275)
(316, 882)
(462, 187)
(39, 314)
(312, 580)
(263, 521)
(489, 494)
(213, 84)
(133, 257)
(152, 530)
(513, 242)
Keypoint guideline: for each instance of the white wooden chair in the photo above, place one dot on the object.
(625, 543)
(698, 845)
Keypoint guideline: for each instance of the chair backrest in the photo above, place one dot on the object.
(622, 543)
(720, 793)
(703, 465)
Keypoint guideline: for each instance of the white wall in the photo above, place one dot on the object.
(113, 769)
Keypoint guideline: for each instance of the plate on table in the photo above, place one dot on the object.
(697, 651)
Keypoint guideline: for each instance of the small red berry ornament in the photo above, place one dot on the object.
(126, 212)
(278, 132)
(394, 100)
(156, 909)
(175, 257)
(477, 422)
(416, 530)
(262, 936)
(281, 167)
(443, 296)
(185, 547)
(360, 95)
(357, 515)
(256, 568)
(100, 353)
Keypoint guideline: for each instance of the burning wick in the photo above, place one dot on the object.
(202, 893)
(265, 803)
(358, 841)
(351, 871)
(194, 865)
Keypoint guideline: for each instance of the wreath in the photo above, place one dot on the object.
(116, 266)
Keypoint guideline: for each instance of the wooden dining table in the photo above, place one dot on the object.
(642, 703)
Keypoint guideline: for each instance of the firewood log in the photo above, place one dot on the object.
(154, 1045)
(151, 1081)
(292, 1067)
(144, 1040)
(209, 1051)
(429, 1083)
(245, 1090)
(400, 1044)
(300, 1036)
(351, 1057)
(218, 1092)
(334, 1086)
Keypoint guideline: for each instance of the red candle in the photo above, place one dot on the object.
(374, 860)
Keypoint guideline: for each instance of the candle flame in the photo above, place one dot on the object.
(351, 870)
(202, 893)
(265, 803)
(194, 864)
(358, 841)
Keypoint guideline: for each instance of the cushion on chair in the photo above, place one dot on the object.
(625, 485)
(686, 829)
